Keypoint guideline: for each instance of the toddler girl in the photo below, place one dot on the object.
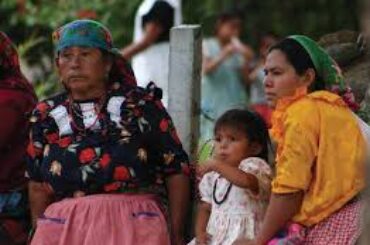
(236, 181)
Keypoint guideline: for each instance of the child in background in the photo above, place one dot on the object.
(258, 101)
(225, 70)
(235, 186)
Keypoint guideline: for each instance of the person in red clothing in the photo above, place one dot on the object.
(17, 99)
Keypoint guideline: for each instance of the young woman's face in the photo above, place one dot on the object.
(281, 79)
(226, 30)
(231, 146)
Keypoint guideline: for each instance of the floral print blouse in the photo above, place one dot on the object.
(125, 142)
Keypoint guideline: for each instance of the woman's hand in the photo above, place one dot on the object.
(40, 196)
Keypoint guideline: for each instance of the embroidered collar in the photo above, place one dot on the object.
(279, 114)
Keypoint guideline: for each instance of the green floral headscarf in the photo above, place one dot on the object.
(88, 33)
(328, 70)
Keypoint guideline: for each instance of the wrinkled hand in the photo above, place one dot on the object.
(48, 188)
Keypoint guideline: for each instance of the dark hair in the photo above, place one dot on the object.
(251, 124)
(265, 34)
(298, 57)
(230, 15)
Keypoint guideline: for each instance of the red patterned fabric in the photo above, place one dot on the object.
(17, 99)
(341, 228)
(10, 72)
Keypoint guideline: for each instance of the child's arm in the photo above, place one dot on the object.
(237, 177)
(232, 174)
(211, 64)
(203, 213)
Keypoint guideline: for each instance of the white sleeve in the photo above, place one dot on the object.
(206, 48)
(205, 188)
(262, 171)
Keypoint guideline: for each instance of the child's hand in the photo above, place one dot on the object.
(206, 167)
(228, 50)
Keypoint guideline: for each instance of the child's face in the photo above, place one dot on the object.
(266, 43)
(231, 146)
(228, 29)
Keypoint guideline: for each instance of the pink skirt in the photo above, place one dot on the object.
(108, 219)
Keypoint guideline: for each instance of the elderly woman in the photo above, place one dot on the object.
(104, 156)
(321, 149)
(17, 99)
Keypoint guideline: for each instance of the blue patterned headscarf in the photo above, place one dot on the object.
(86, 33)
(90, 33)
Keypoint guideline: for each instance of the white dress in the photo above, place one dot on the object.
(242, 212)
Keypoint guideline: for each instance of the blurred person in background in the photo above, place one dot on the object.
(225, 70)
(258, 101)
(17, 100)
(150, 48)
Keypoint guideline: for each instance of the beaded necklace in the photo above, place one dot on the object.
(74, 108)
(223, 199)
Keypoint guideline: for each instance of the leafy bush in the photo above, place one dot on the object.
(29, 23)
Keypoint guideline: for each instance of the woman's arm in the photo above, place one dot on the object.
(281, 209)
(40, 197)
(178, 195)
(203, 213)
(152, 32)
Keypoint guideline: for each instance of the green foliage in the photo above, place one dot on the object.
(32, 21)
(283, 17)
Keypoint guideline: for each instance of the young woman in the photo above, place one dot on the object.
(321, 150)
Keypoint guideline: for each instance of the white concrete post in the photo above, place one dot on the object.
(184, 83)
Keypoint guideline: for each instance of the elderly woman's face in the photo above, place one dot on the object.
(281, 78)
(82, 69)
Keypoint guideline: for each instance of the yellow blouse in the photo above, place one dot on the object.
(320, 150)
